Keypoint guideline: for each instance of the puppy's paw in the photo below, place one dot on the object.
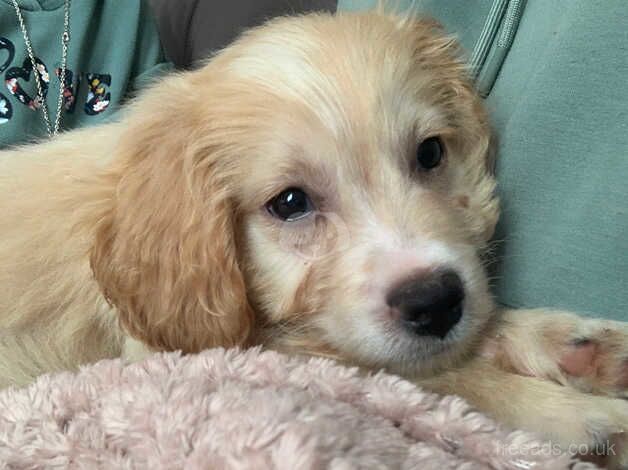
(589, 354)
(596, 429)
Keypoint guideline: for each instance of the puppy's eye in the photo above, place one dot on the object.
(291, 204)
(429, 154)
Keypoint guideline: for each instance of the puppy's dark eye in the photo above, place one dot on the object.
(291, 204)
(429, 154)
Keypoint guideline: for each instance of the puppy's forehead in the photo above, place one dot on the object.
(345, 68)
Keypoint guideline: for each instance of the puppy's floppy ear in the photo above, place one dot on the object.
(164, 251)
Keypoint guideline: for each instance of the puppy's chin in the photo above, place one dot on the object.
(411, 355)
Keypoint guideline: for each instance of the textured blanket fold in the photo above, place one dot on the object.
(250, 410)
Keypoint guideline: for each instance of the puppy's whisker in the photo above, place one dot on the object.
(296, 323)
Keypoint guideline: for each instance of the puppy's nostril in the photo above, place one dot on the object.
(430, 304)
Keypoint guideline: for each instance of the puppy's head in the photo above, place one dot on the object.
(323, 186)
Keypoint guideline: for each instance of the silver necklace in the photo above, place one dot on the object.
(65, 39)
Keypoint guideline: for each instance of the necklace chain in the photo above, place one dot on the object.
(65, 39)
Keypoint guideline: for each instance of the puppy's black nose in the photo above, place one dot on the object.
(430, 304)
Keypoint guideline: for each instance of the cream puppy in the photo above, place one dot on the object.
(323, 186)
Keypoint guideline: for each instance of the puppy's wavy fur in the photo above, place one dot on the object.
(152, 233)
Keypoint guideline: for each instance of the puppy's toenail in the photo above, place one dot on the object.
(581, 342)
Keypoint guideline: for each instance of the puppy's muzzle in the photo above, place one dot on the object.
(429, 304)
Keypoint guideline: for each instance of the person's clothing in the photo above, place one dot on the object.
(113, 50)
(191, 30)
(559, 102)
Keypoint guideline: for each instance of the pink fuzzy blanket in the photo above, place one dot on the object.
(250, 410)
